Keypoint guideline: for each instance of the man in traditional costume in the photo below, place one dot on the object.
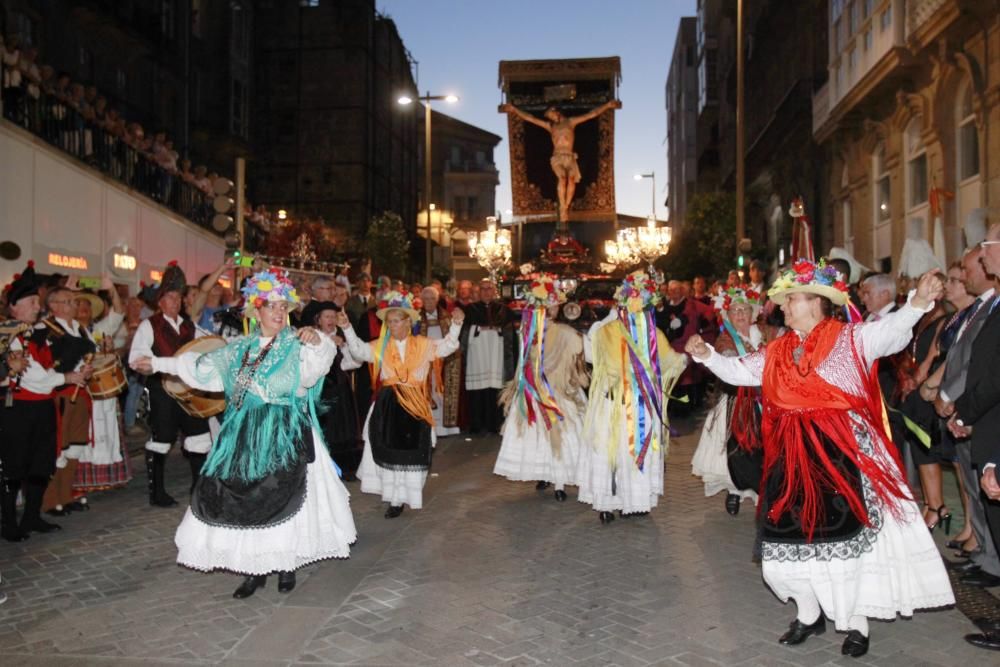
(399, 431)
(28, 445)
(162, 335)
(268, 499)
(446, 374)
(626, 431)
(486, 321)
(730, 439)
(842, 535)
(679, 319)
(545, 401)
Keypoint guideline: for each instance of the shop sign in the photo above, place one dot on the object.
(122, 261)
(61, 261)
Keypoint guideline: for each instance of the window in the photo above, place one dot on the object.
(854, 17)
(196, 18)
(916, 164)
(240, 42)
(473, 207)
(885, 21)
(238, 106)
(121, 80)
(86, 63)
(868, 40)
(852, 61)
(308, 3)
(480, 157)
(835, 35)
(968, 136)
(848, 226)
(869, 7)
(167, 18)
(456, 156)
(836, 9)
(23, 27)
(882, 187)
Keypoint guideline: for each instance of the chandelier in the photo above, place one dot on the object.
(635, 244)
(491, 248)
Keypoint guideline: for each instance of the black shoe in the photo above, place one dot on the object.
(250, 585)
(14, 534)
(286, 582)
(855, 644)
(632, 515)
(393, 511)
(560, 495)
(40, 526)
(798, 632)
(964, 553)
(980, 579)
(986, 640)
(606, 517)
(57, 511)
(162, 500)
(733, 504)
(78, 506)
(541, 486)
(962, 567)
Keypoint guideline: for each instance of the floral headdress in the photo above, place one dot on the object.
(812, 278)
(544, 290)
(637, 292)
(393, 300)
(267, 286)
(736, 296)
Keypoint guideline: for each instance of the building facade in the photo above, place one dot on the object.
(682, 121)
(909, 119)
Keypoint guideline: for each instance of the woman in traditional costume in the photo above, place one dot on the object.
(268, 498)
(842, 535)
(545, 402)
(729, 447)
(621, 466)
(399, 431)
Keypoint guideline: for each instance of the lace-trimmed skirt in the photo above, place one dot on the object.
(526, 453)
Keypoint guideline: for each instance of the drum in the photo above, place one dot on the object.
(108, 379)
(197, 403)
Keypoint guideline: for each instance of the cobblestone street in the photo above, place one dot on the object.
(489, 572)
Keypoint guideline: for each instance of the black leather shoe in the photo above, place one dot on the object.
(986, 640)
(541, 486)
(286, 582)
(632, 515)
(980, 579)
(733, 504)
(162, 500)
(250, 585)
(606, 517)
(78, 506)
(855, 644)
(393, 511)
(57, 511)
(560, 495)
(798, 632)
(14, 534)
(962, 567)
(41, 526)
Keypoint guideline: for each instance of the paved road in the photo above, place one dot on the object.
(490, 572)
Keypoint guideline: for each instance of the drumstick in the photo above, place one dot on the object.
(87, 358)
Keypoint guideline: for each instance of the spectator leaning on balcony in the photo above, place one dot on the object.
(10, 84)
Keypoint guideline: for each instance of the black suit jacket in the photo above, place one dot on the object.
(979, 405)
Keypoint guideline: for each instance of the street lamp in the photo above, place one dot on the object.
(651, 175)
(405, 100)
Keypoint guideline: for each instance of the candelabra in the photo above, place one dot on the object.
(491, 248)
(638, 243)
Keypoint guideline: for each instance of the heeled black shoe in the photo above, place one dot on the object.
(541, 486)
(286, 582)
(560, 495)
(733, 504)
(250, 586)
(393, 511)
(855, 644)
(798, 631)
(606, 517)
(631, 515)
(943, 519)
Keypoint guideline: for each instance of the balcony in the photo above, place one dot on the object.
(470, 167)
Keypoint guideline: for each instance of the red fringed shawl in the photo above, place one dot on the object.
(799, 405)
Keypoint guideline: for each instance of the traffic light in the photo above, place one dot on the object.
(743, 250)
(740, 261)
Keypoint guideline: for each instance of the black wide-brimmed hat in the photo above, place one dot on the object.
(313, 309)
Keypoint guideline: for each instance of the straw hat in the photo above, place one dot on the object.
(396, 301)
(807, 277)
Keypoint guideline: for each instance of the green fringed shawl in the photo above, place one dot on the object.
(263, 435)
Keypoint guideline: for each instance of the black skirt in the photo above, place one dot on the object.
(399, 440)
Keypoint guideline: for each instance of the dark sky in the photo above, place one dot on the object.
(459, 44)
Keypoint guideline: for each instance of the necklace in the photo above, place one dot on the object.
(244, 378)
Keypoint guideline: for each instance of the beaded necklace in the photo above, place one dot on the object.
(244, 378)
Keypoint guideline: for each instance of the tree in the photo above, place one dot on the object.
(387, 245)
(706, 244)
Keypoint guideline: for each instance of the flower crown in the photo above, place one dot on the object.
(737, 295)
(806, 276)
(270, 285)
(637, 292)
(394, 299)
(543, 291)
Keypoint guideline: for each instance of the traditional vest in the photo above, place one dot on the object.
(166, 341)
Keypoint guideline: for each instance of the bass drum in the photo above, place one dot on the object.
(197, 403)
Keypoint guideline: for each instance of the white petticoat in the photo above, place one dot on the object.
(397, 487)
(526, 450)
(901, 573)
(107, 447)
(710, 458)
(322, 528)
(634, 490)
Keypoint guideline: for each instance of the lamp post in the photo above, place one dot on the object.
(650, 175)
(427, 99)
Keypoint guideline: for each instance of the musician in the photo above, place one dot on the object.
(162, 335)
(28, 445)
(104, 464)
(72, 349)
